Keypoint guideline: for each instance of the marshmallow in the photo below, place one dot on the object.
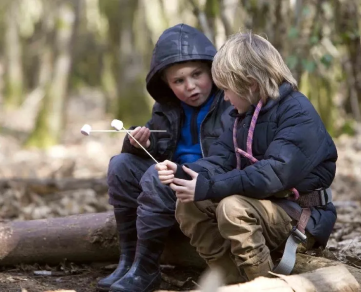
(117, 124)
(86, 129)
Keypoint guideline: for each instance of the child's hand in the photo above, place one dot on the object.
(185, 189)
(142, 135)
(166, 171)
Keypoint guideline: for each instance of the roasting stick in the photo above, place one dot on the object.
(118, 125)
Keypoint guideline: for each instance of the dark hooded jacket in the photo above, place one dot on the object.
(293, 149)
(180, 43)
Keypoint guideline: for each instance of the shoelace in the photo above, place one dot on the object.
(249, 154)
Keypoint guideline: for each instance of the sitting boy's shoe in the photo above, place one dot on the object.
(144, 275)
(123, 267)
(137, 281)
(127, 234)
(260, 270)
(228, 269)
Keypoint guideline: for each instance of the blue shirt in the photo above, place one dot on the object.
(188, 148)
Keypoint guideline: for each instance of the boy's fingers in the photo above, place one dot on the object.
(166, 182)
(166, 177)
(164, 173)
(177, 188)
(160, 167)
(181, 182)
(143, 134)
(182, 196)
(135, 131)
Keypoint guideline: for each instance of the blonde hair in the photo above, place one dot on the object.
(246, 58)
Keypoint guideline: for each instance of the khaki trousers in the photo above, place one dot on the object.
(245, 227)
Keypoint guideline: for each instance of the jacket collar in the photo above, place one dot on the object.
(284, 89)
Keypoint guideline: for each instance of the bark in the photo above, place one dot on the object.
(331, 279)
(80, 239)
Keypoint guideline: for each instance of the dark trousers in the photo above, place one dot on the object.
(134, 186)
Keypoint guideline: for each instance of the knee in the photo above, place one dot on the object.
(151, 184)
(120, 167)
(231, 208)
(150, 176)
(183, 216)
(118, 163)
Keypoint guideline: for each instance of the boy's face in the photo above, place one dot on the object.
(241, 104)
(191, 82)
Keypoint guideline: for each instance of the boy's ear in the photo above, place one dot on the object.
(254, 85)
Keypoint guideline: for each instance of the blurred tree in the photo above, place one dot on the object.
(50, 120)
(320, 41)
(13, 66)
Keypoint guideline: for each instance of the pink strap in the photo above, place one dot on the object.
(249, 154)
(238, 156)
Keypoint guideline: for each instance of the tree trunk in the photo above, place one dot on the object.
(50, 120)
(13, 74)
(81, 239)
(331, 279)
(131, 92)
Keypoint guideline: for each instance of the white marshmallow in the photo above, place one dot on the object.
(117, 124)
(86, 129)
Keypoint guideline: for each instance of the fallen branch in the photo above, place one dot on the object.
(80, 239)
(330, 279)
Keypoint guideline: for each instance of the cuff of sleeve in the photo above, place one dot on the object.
(180, 173)
(203, 187)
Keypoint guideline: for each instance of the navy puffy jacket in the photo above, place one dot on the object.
(293, 149)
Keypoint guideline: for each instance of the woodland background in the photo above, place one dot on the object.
(64, 63)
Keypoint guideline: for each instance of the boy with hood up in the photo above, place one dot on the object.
(194, 113)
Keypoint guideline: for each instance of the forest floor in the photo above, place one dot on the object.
(88, 157)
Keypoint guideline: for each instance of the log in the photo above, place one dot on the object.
(49, 186)
(91, 238)
(330, 279)
(80, 239)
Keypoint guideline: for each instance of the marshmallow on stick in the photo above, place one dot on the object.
(118, 125)
(87, 129)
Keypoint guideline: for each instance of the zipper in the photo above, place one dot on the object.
(193, 125)
(206, 116)
(181, 119)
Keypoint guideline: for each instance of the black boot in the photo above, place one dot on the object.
(144, 275)
(127, 232)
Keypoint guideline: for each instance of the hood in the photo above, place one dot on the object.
(179, 43)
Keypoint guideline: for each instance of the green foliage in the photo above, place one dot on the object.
(212, 8)
(293, 33)
(326, 60)
(309, 65)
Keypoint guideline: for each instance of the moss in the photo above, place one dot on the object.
(13, 94)
(42, 137)
(132, 105)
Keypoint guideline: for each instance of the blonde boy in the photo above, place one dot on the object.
(234, 202)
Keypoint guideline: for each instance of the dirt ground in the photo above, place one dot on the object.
(87, 157)
(84, 280)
